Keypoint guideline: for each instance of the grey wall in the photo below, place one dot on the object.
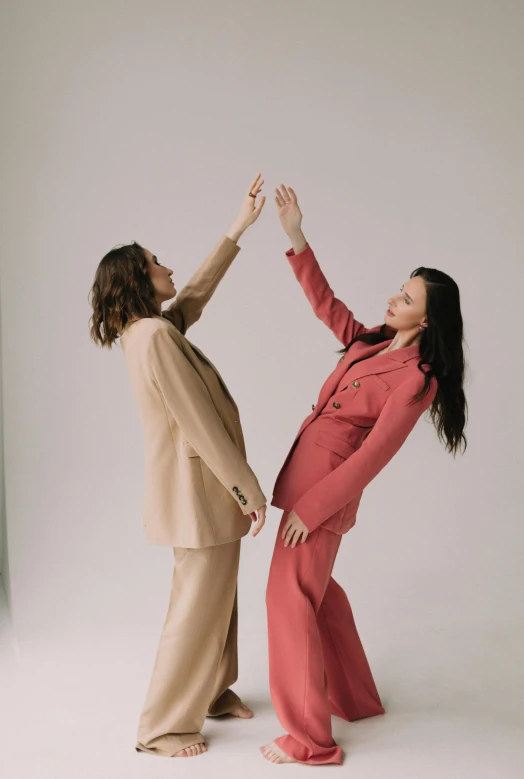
(4, 549)
(400, 126)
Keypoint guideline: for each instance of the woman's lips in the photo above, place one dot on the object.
(389, 312)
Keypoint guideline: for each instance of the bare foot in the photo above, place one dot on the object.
(196, 749)
(241, 710)
(275, 755)
(237, 710)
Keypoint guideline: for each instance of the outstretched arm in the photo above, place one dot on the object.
(329, 309)
(192, 299)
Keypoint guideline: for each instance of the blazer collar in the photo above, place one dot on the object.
(381, 363)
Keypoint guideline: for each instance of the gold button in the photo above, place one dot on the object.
(336, 405)
(356, 384)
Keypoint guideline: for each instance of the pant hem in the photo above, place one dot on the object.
(328, 755)
(169, 745)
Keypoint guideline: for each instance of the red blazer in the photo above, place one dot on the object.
(361, 419)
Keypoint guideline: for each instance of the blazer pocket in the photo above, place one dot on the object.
(378, 380)
(334, 444)
(189, 451)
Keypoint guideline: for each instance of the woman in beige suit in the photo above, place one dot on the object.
(200, 493)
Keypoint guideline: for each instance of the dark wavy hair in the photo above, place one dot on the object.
(122, 290)
(441, 347)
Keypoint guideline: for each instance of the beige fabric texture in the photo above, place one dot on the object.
(197, 658)
(198, 485)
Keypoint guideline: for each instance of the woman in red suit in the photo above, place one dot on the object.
(386, 378)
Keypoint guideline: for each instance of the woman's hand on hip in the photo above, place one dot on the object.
(249, 210)
(260, 521)
(294, 530)
(290, 217)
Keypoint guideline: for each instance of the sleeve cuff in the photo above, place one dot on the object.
(291, 252)
(248, 506)
(308, 516)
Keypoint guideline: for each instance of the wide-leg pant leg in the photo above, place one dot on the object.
(223, 699)
(193, 648)
(298, 580)
(351, 688)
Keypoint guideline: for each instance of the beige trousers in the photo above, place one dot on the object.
(197, 658)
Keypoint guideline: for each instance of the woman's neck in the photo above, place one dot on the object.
(404, 338)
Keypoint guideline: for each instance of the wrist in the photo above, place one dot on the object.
(235, 231)
(298, 240)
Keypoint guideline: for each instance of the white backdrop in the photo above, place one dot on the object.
(400, 127)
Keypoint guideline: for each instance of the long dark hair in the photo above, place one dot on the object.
(441, 347)
(122, 290)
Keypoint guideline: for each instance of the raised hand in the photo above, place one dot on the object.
(249, 209)
(289, 212)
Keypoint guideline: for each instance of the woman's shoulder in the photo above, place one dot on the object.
(146, 326)
(143, 332)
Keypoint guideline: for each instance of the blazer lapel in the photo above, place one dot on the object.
(213, 368)
(389, 361)
(190, 350)
(381, 363)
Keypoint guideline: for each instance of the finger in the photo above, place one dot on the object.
(254, 182)
(296, 538)
(289, 535)
(293, 195)
(304, 536)
(287, 196)
(280, 200)
(286, 528)
(257, 189)
(260, 206)
(253, 516)
(258, 527)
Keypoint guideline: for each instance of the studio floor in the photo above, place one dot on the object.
(69, 707)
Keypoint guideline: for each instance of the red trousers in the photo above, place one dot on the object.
(317, 665)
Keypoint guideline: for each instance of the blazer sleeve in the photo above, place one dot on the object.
(190, 302)
(188, 400)
(329, 309)
(346, 482)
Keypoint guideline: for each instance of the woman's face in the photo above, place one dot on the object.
(161, 278)
(407, 310)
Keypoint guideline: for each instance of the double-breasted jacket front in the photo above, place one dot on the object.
(363, 414)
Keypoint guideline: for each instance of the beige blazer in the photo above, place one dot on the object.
(199, 488)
